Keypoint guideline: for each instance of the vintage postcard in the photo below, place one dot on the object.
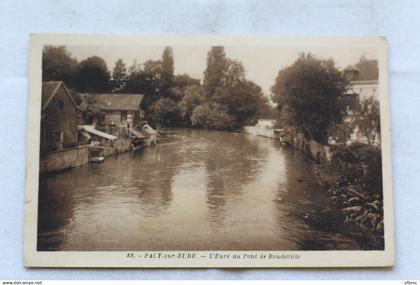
(208, 151)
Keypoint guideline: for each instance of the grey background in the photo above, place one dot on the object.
(399, 21)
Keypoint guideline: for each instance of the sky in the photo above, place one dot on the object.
(262, 63)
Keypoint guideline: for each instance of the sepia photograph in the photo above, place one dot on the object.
(208, 151)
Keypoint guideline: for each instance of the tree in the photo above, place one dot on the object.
(248, 103)
(167, 70)
(184, 80)
(308, 96)
(216, 66)
(212, 116)
(91, 111)
(119, 76)
(266, 110)
(164, 112)
(191, 99)
(145, 78)
(233, 74)
(340, 132)
(367, 120)
(242, 100)
(200, 116)
(58, 65)
(92, 75)
(180, 85)
(241, 97)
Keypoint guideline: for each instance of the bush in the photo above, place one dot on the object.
(359, 163)
(164, 112)
(356, 153)
(212, 116)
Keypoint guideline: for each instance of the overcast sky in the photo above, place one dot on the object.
(261, 63)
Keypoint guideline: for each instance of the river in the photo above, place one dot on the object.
(202, 190)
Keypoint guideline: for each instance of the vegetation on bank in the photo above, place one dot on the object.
(354, 183)
(308, 96)
(225, 100)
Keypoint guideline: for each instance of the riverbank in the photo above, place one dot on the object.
(67, 158)
(353, 187)
(351, 178)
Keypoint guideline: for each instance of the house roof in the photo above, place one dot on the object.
(117, 102)
(367, 70)
(49, 89)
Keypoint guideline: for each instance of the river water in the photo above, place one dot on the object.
(199, 190)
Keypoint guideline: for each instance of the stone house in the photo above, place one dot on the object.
(363, 84)
(59, 117)
(122, 112)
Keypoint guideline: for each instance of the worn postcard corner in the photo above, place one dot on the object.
(208, 151)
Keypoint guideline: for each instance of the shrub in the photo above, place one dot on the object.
(359, 163)
(212, 116)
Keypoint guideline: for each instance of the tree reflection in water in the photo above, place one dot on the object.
(204, 190)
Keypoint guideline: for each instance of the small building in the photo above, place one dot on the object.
(59, 115)
(363, 79)
(363, 84)
(122, 112)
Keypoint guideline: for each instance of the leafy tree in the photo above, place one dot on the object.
(212, 116)
(226, 101)
(145, 79)
(368, 120)
(167, 70)
(184, 80)
(180, 85)
(164, 112)
(200, 116)
(308, 96)
(266, 110)
(92, 75)
(216, 66)
(91, 111)
(58, 65)
(340, 132)
(241, 97)
(242, 101)
(119, 76)
(233, 74)
(191, 99)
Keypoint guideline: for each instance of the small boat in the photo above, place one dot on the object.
(138, 139)
(147, 136)
(96, 154)
(138, 143)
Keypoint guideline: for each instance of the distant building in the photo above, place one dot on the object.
(363, 79)
(363, 84)
(122, 111)
(59, 115)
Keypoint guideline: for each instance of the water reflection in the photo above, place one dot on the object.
(203, 190)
